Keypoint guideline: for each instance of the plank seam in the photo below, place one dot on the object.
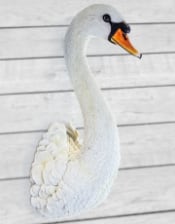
(66, 25)
(71, 90)
(120, 169)
(116, 216)
(81, 128)
(89, 55)
(147, 167)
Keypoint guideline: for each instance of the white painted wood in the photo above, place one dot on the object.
(110, 72)
(148, 145)
(135, 191)
(40, 42)
(143, 190)
(161, 218)
(133, 106)
(52, 12)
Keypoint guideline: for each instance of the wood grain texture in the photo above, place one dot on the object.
(47, 42)
(135, 191)
(52, 12)
(32, 32)
(148, 145)
(110, 72)
(131, 106)
(161, 218)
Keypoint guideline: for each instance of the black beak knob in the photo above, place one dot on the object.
(125, 27)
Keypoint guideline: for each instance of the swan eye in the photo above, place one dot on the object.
(107, 18)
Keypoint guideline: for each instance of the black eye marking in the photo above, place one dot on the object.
(115, 26)
(107, 18)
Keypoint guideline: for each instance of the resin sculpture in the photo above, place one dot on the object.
(68, 177)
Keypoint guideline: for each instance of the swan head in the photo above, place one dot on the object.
(104, 21)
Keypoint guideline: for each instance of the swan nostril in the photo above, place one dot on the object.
(124, 35)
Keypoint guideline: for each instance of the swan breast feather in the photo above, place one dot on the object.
(56, 150)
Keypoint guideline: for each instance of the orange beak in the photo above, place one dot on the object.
(121, 38)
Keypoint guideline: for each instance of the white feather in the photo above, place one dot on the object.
(66, 176)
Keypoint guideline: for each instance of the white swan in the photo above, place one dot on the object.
(67, 177)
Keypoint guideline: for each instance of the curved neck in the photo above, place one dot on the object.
(98, 121)
(89, 96)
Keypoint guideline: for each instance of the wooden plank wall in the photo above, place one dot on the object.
(35, 91)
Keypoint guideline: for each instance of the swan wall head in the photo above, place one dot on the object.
(104, 21)
(68, 177)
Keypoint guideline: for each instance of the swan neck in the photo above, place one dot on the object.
(99, 124)
(88, 93)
